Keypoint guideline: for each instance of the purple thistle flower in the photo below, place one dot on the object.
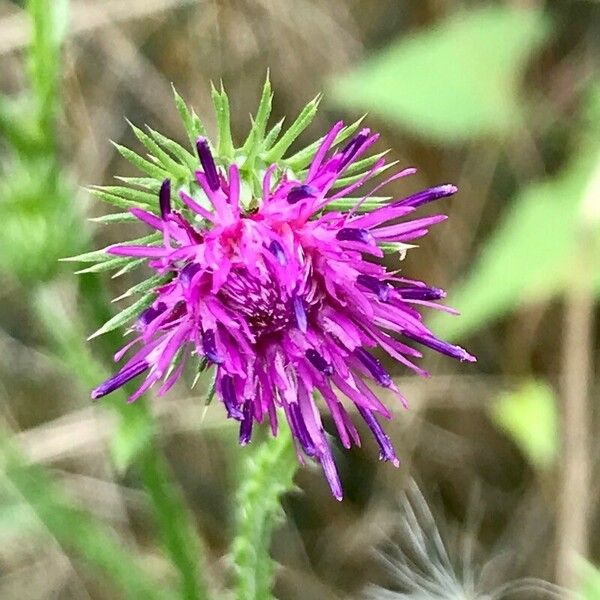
(282, 302)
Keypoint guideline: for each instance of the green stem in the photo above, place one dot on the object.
(135, 438)
(267, 475)
(72, 528)
(136, 435)
(175, 527)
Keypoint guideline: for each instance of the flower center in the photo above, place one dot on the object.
(265, 306)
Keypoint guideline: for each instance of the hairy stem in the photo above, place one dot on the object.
(267, 475)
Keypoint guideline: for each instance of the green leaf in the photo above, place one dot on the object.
(456, 80)
(125, 217)
(590, 580)
(529, 416)
(175, 169)
(144, 286)
(131, 438)
(529, 256)
(49, 19)
(221, 103)
(192, 124)
(348, 203)
(16, 125)
(259, 125)
(273, 134)
(126, 315)
(115, 200)
(302, 158)
(94, 256)
(212, 389)
(396, 248)
(133, 263)
(103, 255)
(303, 120)
(141, 163)
(186, 158)
(108, 265)
(344, 181)
(362, 166)
(129, 193)
(175, 526)
(150, 184)
(60, 17)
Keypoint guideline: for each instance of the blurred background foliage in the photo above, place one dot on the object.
(112, 501)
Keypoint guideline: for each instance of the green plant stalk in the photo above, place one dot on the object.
(175, 529)
(267, 475)
(72, 528)
(49, 19)
(174, 525)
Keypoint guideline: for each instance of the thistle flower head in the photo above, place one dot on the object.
(281, 289)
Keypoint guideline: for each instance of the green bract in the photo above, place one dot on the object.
(167, 159)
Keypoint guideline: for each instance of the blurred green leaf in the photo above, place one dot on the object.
(523, 257)
(135, 427)
(15, 516)
(590, 580)
(60, 14)
(176, 529)
(529, 416)
(40, 223)
(20, 131)
(458, 79)
(530, 255)
(134, 439)
(132, 436)
(76, 531)
(40, 220)
(50, 21)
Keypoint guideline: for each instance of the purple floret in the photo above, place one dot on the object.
(285, 300)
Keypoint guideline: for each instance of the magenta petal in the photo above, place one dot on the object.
(280, 297)
(148, 218)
